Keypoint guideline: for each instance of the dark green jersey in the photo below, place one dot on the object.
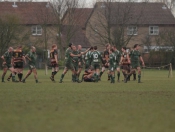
(96, 57)
(88, 56)
(117, 56)
(112, 59)
(68, 58)
(7, 56)
(135, 56)
(75, 58)
(33, 57)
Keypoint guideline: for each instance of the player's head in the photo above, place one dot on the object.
(10, 49)
(123, 49)
(74, 48)
(111, 50)
(79, 47)
(136, 46)
(108, 46)
(54, 46)
(95, 47)
(92, 48)
(33, 49)
(70, 45)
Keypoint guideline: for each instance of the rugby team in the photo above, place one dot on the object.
(95, 63)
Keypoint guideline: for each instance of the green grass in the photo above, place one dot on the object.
(89, 107)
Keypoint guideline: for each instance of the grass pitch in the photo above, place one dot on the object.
(89, 107)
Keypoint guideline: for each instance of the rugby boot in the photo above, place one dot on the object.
(51, 78)
(24, 81)
(139, 78)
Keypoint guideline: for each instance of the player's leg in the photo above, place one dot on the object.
(134, 76)
(53, 73)
(4, 73)
(139, 74)
(13, 73)
(27, 75)
(118, 74)
(20, 69)
(63, 74)
(35, 74)
(102, 71)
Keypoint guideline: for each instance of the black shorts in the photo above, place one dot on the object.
(54, 64)
(18, 64)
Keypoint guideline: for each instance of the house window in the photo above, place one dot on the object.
(36, 30)
(132, 30)
(153, 30)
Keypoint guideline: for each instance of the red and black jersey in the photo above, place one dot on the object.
(106, 52)
(125, 59)
(18, 55)
(53, 53)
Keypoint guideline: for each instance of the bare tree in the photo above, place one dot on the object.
(10, 32)
(111, 20)
(60, 9)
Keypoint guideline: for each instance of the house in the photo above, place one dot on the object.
(35, 18)
(74, 21)
(125, 24)
(41, 26)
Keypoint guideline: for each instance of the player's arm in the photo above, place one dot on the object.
(56, 58)
(73, 55)
(24, 59)
(141, 59)
(128, 59)
(4, 61)
(82, 53)
(121, 59)
(27, 56)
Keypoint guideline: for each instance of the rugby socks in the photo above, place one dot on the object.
(134, 76)
(3, 75)
(73, 78)
(2, 79)
(101, 73)
(97, 77)
(53, 74)
(9, 77)
(118, 75)
(112, 79)
(62, 76)
(20, 76)
(13, 78)
(36, 81)
(109, 77)
(139, 78)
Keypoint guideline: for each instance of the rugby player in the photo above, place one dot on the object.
(31, 57)
(75, 62)
(96, 59)
(68, 63)
(18, 59)
(112, 65)
(54, 61)
(136, 57)
(125, 62)
(117, 65)
(88, 58)
(7, 64)
(105, 62)
(88, 75)
(81, 59)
